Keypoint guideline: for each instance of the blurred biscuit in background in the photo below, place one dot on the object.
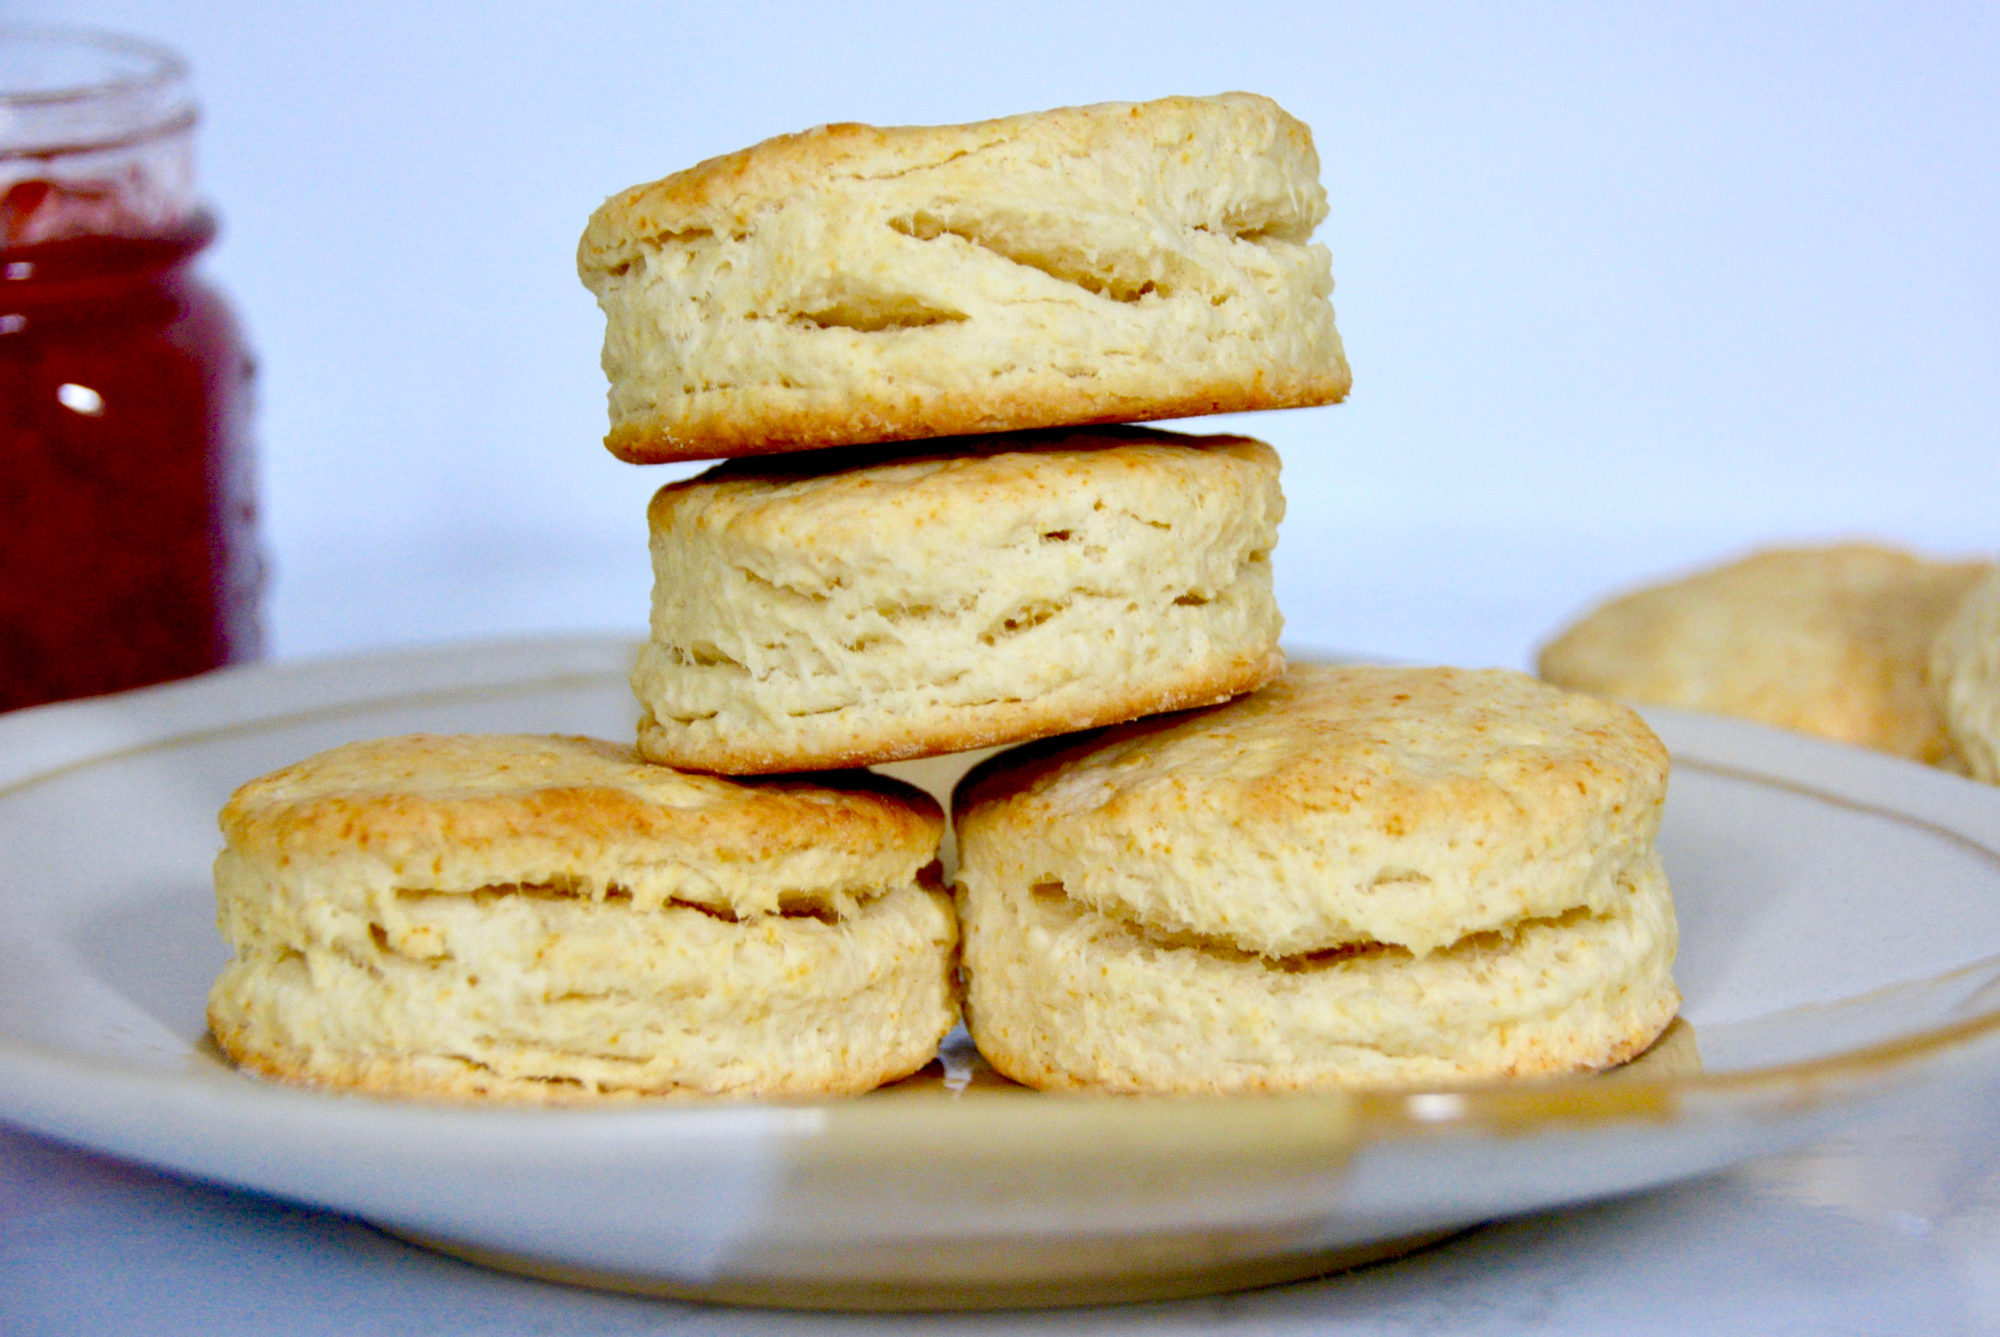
(1834, 641)
(1965, 671)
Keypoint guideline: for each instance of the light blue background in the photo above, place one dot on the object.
(1625, 287)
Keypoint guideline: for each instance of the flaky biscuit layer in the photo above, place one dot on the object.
(1061, 996)
(532, 994)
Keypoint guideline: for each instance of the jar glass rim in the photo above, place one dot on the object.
(129, 65)
(62, 88)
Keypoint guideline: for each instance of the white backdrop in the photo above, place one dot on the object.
(1624, 287)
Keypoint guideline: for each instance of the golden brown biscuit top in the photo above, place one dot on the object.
(459, 812)
(1338, 805)
(1401, 748)
(719, 194)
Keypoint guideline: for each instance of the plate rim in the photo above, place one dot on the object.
(45, 742)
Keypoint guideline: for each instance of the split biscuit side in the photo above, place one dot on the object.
(852, 284)
(1064, 997)
(534, 994)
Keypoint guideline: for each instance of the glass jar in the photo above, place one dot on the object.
(128, 550)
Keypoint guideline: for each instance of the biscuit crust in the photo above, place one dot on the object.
(849, 284)
(856, 607)
(550, 919)
(1832, 640)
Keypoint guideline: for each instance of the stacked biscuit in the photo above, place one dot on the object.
(849, 287)
(919, 352)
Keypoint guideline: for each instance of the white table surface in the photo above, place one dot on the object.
(1891, 1227)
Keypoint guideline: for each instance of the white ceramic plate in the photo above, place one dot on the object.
(1840, 919)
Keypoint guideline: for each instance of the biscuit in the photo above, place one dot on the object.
(850, 284)
(1358, 876)
(1833, 641)
(849, 608)
(1965, 675)
(549, 919)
